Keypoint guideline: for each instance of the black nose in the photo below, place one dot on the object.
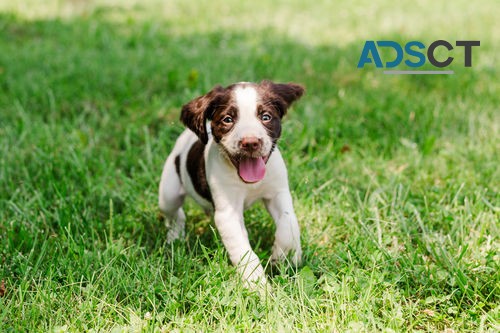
(250, 144)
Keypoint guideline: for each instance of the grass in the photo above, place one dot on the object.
(395, 178)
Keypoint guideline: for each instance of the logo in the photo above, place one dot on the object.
(417, 55)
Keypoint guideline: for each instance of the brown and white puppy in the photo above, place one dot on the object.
(226, 160)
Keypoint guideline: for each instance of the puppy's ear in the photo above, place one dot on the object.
(195, 113)
(287, 93)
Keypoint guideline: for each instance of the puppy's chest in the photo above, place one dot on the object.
(208, 177)
(223, 179)
(253, 196)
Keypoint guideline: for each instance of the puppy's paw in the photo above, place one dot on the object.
(292, 257)
(261, 286)
(176, 227)
(175, 234)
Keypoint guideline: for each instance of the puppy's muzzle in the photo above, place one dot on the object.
(250, 144)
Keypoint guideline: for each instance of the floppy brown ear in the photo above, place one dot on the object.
(286, 92)
(195, 113)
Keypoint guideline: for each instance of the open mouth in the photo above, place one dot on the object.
(251, 169)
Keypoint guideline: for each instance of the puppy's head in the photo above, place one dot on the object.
(245, 120)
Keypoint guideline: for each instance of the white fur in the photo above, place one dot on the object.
(231, 195)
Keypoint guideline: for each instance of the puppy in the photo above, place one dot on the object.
(226, 160)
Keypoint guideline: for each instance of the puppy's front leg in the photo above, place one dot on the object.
(287, 237)
(228, 222)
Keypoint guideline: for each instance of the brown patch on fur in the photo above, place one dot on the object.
(275, 99)
(280, 95)
(195, 165)
(177, 163)
(219, 127)
(195, 113)
(273, 126)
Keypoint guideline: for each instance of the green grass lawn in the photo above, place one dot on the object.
(395, 179)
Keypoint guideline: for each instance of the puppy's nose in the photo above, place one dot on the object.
(250, 143)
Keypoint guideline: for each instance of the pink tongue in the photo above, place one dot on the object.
(252, 170)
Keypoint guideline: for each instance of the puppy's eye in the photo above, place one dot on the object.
(265, 117)
(228, 120)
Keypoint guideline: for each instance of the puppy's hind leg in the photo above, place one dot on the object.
(171, 198)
